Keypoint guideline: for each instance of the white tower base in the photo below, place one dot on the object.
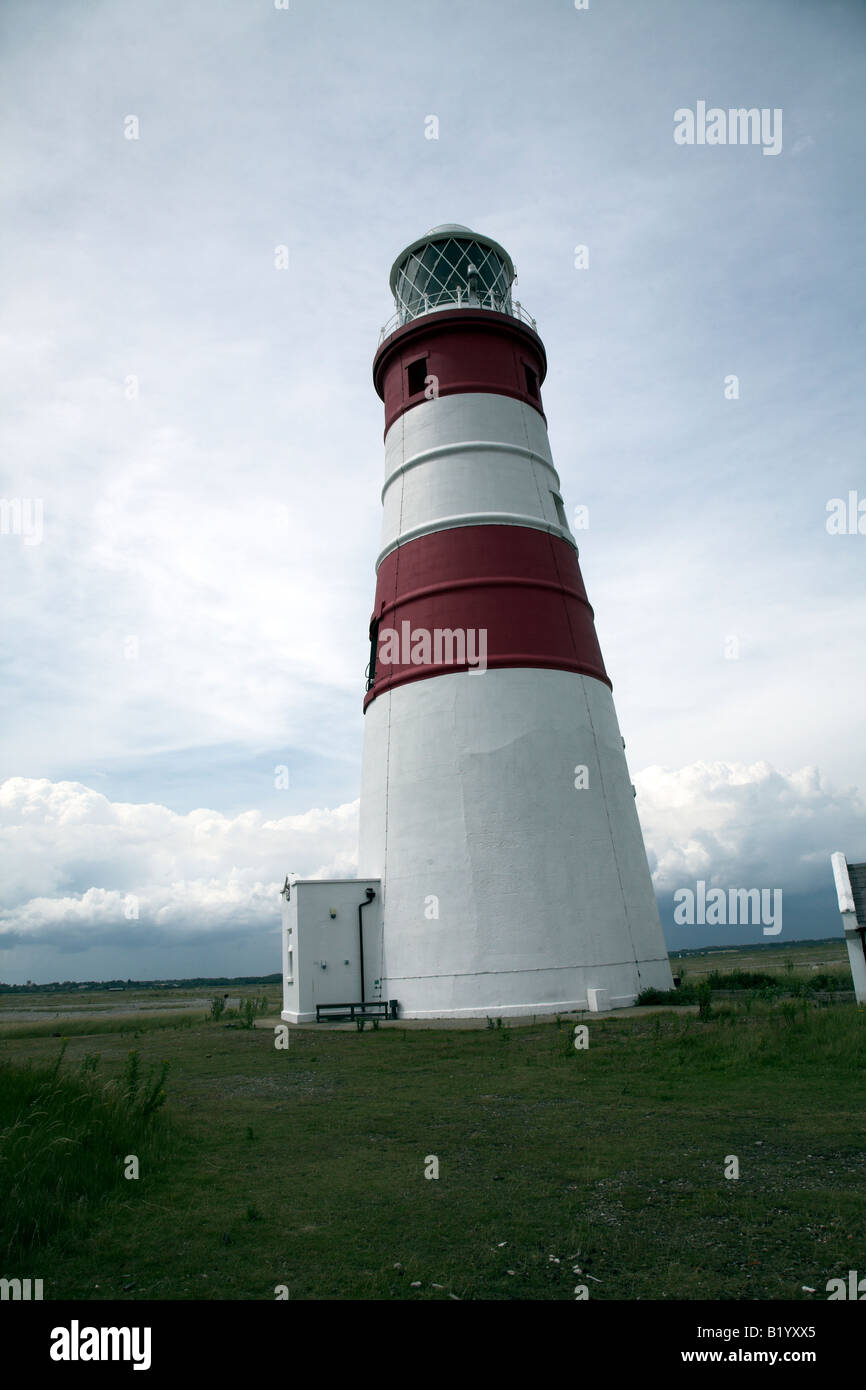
(507, 889)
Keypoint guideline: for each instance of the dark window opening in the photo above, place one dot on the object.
(531, 381)
(416, 376)
(374, 642)
(560, 510)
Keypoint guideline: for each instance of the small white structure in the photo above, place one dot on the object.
(327, 925)
(597, 1001)
(851, 891)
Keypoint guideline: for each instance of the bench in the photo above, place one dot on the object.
(372, 1008)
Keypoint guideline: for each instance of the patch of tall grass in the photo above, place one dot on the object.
(64, 1141)
(760, 982)
(789, 983)
(686, 994)
(833, 1038)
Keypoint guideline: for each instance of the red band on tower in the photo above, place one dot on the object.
(464, 350)
(520, 587)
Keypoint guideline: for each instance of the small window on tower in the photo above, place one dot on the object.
(560, 510)
(531, 381)
(416, 376)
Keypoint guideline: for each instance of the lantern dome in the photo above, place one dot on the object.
(451, 267)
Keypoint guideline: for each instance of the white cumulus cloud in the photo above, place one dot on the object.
(79, 869)
(736, 824)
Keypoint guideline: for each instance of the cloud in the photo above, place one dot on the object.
(226, 515)
(80, 870)
(738, 825)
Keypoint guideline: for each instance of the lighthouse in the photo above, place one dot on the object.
(498, 828)
(501, 865)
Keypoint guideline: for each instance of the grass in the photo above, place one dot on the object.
(305, 1166)
(130, 1025)
(65, 1139)
(693, 990)
(789, 982)
(686, 994)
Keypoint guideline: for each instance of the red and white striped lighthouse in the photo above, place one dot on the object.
(496, 805)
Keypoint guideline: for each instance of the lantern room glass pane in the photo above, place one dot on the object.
(452, 270)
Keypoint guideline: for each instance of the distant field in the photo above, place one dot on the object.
(818, 955)
(101, 1011)
(305, 1167)
(72, 1003)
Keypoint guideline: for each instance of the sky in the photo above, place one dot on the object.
(201, 205)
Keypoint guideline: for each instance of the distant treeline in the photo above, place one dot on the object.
(64, 986)
(744, 947)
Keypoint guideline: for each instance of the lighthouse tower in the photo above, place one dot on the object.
(497, 811)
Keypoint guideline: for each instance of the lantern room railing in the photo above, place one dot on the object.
(458, 298)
